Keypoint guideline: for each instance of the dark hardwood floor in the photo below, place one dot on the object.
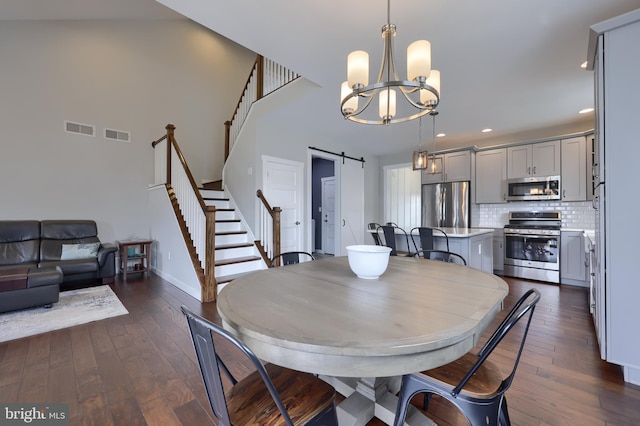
(140, 368)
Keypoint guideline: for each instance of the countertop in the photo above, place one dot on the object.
(465, 232)
(455, 232)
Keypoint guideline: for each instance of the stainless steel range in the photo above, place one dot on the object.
(532, 245)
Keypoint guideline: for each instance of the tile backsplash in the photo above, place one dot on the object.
(575, 215)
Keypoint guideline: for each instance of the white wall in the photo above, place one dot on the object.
(267, 133)
(169, 256)
(135, 76)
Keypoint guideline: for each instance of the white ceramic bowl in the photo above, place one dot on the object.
(368, 261)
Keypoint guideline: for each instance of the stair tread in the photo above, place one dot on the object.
(215, 198)
(232, 246)
(227, 220)
(237, 260)
(227, 278)
(231, 232)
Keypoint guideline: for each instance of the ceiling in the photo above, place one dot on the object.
(507, 65)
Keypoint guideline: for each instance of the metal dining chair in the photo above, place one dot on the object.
(473, 383)
(426, 235)
(290, 258)
(376, 237)
(389, 232)
(268, 396)
(441, 255)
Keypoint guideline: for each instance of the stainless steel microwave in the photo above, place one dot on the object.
(533, 188)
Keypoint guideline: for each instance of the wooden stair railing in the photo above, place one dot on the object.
(265, 77)
(195, 218)
(269, 242)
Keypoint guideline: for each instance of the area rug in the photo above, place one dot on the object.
(75, 307)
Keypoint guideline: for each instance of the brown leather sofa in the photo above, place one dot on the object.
(57, 254)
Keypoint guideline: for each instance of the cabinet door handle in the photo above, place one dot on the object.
(564, 193)
(529, 170)
(534, 170)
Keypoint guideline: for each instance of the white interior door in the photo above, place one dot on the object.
(283, 188)
(351, 203)
(328, 215)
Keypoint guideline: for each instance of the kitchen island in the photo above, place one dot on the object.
(474, 244)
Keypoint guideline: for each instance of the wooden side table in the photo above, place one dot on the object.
(134, 256)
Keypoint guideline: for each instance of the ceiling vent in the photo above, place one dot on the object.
(117, 135)
(79, 129)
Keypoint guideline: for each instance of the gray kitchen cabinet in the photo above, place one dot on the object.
(592, 167)
(572, 270)
(615, 57)
(573, 180)
(538, 159)
(456, 168)
(491, 176)
(498, 251)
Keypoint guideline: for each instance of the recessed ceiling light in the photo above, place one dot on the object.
(585, 111)
(487, 130)
(441, 135)
(583, 65)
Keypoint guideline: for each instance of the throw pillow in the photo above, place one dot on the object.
(79, 251)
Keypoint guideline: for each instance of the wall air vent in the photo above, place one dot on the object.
(79, 129)
(117, 135)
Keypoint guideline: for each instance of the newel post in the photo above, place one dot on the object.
(276, 230)
(210, 289)
(170, 138)
(227, 138)
(260, 77)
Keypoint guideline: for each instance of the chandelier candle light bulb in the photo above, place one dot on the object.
(419, 60)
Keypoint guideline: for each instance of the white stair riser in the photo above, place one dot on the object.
(228, 226)
(225, 215)
(237, 268)
(231, 239)
(211, 193)
(236, 252)
(218, 203)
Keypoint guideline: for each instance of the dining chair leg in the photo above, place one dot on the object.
(425, 402)
(504, 413)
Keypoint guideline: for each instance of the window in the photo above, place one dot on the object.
(402, 196)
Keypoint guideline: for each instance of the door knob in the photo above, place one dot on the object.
(297, 223)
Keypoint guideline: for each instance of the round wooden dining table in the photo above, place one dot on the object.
(319, 317)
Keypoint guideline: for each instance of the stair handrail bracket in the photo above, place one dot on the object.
(196, 219)
(269, 232)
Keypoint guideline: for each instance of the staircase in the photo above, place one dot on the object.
(236, 253)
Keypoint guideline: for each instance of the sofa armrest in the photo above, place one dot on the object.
(106, 254)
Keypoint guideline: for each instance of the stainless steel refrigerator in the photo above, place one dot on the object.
(446, 205)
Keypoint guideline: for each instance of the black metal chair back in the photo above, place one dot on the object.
(491, 408)
(376, 237)
(389, 232)
(441, 255)
(426, 235)
(291, 257)
(211, 365)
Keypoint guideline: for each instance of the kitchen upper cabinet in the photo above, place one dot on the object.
(456, 168)
(491, 176)
(574, 169)
(538, 159)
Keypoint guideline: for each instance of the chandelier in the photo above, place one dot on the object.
(421, 89)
